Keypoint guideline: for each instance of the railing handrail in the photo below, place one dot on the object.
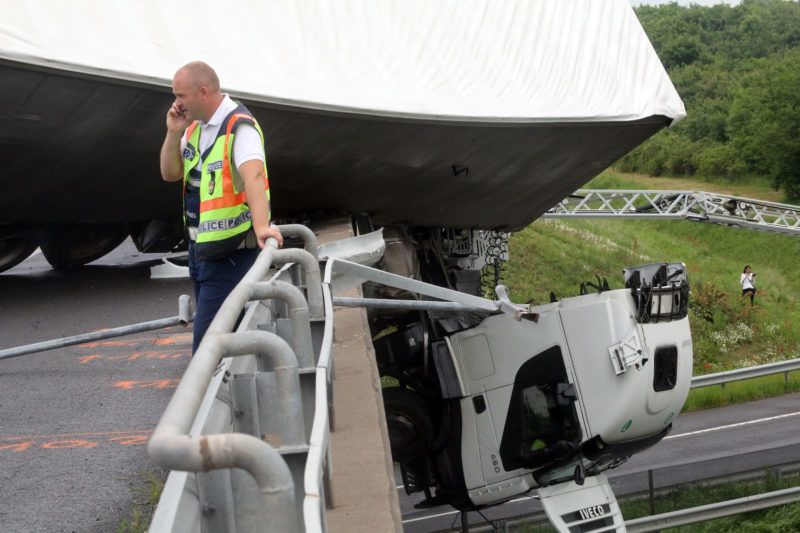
(713, 511)
(171, 444)
(319, 443)
(745, 373)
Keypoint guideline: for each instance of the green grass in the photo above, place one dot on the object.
(742, 391)
(146, 497)
(753, 187)
(556, 255)
(783, 519)
(777, 519)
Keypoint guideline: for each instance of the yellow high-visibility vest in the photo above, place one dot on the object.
(224, 217)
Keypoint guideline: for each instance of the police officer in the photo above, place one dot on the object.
(216, 147)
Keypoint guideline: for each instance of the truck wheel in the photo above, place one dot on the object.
(69, 246)
(410, 427)
(16, 244)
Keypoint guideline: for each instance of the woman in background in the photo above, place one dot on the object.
(748, 281)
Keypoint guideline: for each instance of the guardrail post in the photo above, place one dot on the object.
(300, 338)
(312, 274)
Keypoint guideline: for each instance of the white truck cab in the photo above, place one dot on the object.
(552, 401)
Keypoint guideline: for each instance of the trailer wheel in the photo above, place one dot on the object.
(410, 427)
(69, 246)
(16, 244)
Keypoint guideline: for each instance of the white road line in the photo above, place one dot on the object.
(430, 516)
(729, 426)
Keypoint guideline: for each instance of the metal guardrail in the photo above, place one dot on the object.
(713, 511)
(728, 376)
(184, 317)
(247, 431)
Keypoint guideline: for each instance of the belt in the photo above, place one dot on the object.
(192, 231)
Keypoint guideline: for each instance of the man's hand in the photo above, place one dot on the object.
(269, 232)
(170, 160)
(177, 121)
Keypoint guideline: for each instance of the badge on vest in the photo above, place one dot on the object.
(212, 183)
(188, 152)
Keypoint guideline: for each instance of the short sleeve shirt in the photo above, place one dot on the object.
(247, 144)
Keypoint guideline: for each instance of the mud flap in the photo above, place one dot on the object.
(591, 507)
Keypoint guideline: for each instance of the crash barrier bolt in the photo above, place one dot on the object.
(298, 230)
(298, 313)
(310, 266)
(185, 316)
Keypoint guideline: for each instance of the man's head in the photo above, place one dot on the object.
(196, 90)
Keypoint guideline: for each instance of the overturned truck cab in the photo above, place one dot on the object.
(491, 407)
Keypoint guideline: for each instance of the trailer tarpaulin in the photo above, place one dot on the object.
(451, 60)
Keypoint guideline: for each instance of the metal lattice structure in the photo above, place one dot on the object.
(691, 205)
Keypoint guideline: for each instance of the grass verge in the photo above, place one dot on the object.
(144, 503)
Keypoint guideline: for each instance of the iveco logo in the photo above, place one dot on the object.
(595, 511)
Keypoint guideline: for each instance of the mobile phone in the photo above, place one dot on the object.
(182, 110)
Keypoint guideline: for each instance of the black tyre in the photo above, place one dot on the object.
(16, 244)
(410, 427)
(69, 246)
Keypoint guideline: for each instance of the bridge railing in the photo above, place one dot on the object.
(246, 433)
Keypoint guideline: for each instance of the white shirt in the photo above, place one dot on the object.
(747, 281)
(247, 143)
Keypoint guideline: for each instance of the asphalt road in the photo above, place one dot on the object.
(703, 444)
(74, 422)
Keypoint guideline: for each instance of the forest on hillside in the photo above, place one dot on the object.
(738, 72)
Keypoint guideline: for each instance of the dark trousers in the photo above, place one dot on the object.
(213, 281)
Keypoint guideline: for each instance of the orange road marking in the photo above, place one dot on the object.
(133, 356)
(17, 446)
(127, 441)
(72, 444)
(68, 444)
(181, 338)
(98, 344)
(89, 434)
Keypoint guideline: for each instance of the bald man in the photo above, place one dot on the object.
(216, 147)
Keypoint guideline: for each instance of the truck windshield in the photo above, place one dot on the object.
(541, 426)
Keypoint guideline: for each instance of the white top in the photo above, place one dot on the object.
(246, 144)
(747, 281)
(518, 61)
